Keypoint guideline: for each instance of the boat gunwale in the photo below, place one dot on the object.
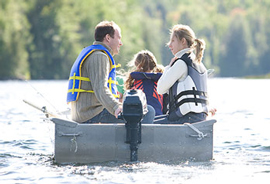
(73, 124)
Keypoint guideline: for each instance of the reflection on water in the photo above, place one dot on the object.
(241, 139)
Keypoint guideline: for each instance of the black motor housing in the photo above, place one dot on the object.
(134, 108)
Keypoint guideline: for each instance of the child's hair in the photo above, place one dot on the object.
(159, 68)
(184, 31)
(143, 61)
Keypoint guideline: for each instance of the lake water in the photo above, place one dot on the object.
(241, 139)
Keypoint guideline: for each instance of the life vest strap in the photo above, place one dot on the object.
(191, 92)
(173, 104)
(74, 77)
(80, 90)
(195, 100)
(118, 65)
(79, 78)
(116, 96)
(110, 82)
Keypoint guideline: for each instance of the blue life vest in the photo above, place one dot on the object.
(147, 82)
(75, 78)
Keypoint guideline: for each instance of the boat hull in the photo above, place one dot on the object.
(89, 143)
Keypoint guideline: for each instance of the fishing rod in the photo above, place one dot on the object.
(210, 72)
(42, 96)
(43, 109)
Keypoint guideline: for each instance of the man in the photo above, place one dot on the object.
(92, 89)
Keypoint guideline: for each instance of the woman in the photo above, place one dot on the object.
(144, 75)
(184, 79)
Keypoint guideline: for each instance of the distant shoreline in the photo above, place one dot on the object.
(266, 76)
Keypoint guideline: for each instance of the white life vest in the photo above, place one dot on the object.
(189, 95)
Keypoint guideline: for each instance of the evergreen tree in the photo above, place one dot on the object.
(233, 62)
(14, 31)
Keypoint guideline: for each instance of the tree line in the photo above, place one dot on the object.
(40, 39)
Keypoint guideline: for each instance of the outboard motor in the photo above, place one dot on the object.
(134, 108)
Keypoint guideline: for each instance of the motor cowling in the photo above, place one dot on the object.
(134, 108)
(134, 105)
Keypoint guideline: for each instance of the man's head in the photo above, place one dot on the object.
(110, 34)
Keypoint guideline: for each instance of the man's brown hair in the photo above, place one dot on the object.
(104, 28)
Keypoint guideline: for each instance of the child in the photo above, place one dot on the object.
(145, 74)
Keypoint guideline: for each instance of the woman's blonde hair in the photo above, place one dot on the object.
(183, 31)
(143, 61)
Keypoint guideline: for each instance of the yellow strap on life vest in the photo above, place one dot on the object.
(110, 81)
(74, 77)
(80, 90)
(79, 78)
(116, 96)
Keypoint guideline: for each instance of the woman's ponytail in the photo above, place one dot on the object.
(199, 49)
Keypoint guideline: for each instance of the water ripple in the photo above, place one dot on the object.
(241, 142)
